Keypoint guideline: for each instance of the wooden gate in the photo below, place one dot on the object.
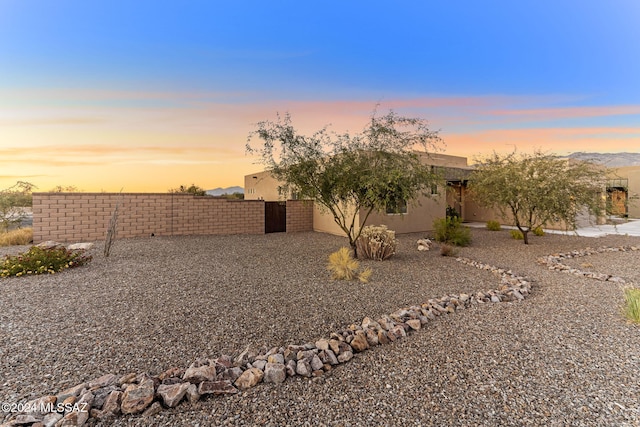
(275, 217)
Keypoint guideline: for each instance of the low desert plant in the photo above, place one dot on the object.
(632, 304)
(450, 230)
(343, 266)
(493, 226)
(376, 242)
(516, 234)
(42, 261)
(21, 236)
(448, 250)
(538, 231)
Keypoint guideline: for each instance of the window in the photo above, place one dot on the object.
(434, 188)
(396, 207)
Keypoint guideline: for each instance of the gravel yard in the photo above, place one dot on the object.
(564, 356)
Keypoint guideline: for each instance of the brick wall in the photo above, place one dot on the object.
(72, 217)
(299, 215)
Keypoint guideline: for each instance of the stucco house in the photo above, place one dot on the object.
(415, 217)
(623, 191)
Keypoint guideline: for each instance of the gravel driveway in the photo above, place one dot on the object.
(564, 356)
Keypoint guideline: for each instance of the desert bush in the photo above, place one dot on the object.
(42, 261)
(538, 231)
(516, 234)
(376, 242)
(448, 250)
(21, 236)
(452, 212)
(493, 226)
(450, 230)
(343, 266)
(632, 304)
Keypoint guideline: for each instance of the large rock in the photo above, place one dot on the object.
(345, 357)
(80, 246)
(137, 397)
(415, 324)
(51, 419)
(249, 378)
(196, 375)
(303, 368)
(230, 374)
(172, 394)
(359, 342)
(216, 387)
(73, 391)
(192, 394)
(274, 373)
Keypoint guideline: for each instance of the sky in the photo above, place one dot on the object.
(144, 96)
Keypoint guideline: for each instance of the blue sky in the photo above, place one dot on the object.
(152, 94)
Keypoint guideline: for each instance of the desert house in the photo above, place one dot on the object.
(623, 191)
(413, 217)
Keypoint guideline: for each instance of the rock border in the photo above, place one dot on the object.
(554, 262)
(110, 396)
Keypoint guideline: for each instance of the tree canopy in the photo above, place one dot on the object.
(13, 200)
(350, 175)
(191, 189)
(537, 189)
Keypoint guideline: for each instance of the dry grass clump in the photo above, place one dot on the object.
(376, 242)
(631, 307)
(343, 266)
(21, 236)
(493, 225)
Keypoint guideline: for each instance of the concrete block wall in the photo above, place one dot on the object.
(72, 217)
(299, 215)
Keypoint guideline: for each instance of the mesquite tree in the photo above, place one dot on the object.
(533, 190)
(350, 175)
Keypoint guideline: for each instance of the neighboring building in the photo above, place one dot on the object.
(415, 217)
(623, 191)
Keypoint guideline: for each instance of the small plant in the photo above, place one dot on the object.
(538, 231)
(493, 226)
(344, 267)
(21, 236)
(452, 212)
(376, 242)
(42, 261)
(448, 250)
(632, 304)
(450, 230)
(516, 234)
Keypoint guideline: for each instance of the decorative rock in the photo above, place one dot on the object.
(152, 410)
(382, 337)
(249, 378)
(345, 357)
(335, 346)
(112, 403)
(51, 419)
(69, 420)
(84, 404)
(40, 403)
(322, 344)
(415, 324)
(303, 368)
(331, 357)
(172, 394)
(128, 378)
(80, 246)
(171, 373)
(359, 343)
(291, 368)
(192, 394)
(216, 388)
(136, 398)
(231, 374)
(73, 391)
(25, 419)
(316, 363)
(274, 373)
(372, 337)
(198, 374)
(276, 358)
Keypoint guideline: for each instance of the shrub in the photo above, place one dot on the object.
(344, 267)
(632, 304)
(448, 250)
(42, 261)
(538, 231)
(516, 234)
(21, 236)
(376, 242)
(493, 226)
(450, 230)
(452, 212)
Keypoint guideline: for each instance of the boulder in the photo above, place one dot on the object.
(249, 378)
(171, 395)
(137, 397)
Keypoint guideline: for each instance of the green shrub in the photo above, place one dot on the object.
(516, 234)
(376, 242)
(452, 212)
(344, 267)
(42, 261)
(493, 226)
(538, 231)
(450, 230)
(632, 304)
(21, 236)
(448, 250)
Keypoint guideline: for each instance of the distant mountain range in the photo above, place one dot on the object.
(229, 190)
(611, 160)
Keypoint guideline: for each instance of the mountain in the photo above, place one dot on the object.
(611, 160)
(229, 190)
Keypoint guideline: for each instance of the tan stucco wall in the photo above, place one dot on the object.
(632, 173)
(262, 186)
(419, 217)
(323, 221)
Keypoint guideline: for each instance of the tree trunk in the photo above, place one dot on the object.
(525, 236)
